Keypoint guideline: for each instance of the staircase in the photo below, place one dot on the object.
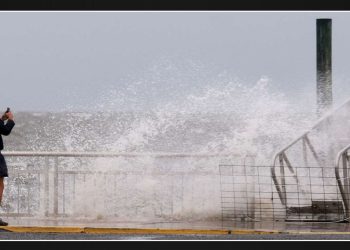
(311, 174)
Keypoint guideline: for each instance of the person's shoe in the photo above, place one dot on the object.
(3, 223)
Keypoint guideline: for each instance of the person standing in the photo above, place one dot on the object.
(6, 125)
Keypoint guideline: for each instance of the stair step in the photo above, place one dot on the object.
(318, 207)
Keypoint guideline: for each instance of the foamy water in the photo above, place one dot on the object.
(233, 118)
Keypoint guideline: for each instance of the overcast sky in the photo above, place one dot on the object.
(53, 61)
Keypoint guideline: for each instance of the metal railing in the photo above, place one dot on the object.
(344, 188)
(48, 176)
(323, 158)
(282, 158)
(110, 154)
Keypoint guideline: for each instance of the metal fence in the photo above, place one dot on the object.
(248, 193)
(170, 186)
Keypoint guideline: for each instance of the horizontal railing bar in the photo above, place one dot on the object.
(256, 167)
(109, 154)
(320, 121)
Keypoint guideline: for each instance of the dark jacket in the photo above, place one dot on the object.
(5, 129)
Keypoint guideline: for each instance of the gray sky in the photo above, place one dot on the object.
(53, 61)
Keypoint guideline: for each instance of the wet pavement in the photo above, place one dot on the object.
(63, 229)
(170, 237)
(184, 227)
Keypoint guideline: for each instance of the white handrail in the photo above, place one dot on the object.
(327, 115)
(113, 154)
(337, 175)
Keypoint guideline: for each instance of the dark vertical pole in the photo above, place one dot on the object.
(324, 65)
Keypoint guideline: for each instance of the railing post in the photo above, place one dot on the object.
(346, 180)
(283, 180)
(304, 152)
(55, 183)
(46, 187)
